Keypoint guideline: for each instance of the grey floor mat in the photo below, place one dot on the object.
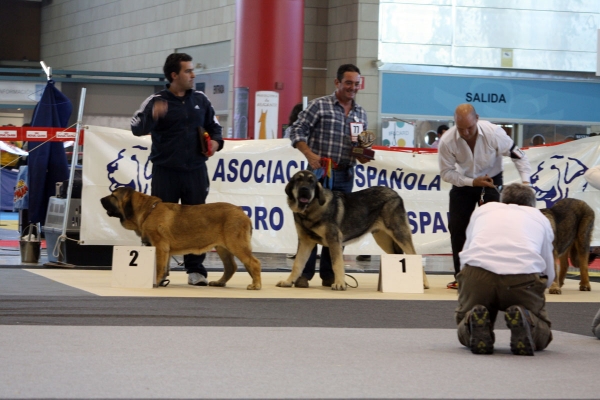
(282, 362)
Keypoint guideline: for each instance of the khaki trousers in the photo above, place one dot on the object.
(497, 293)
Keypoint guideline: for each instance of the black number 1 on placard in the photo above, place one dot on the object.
(403, 261)
(134, 254)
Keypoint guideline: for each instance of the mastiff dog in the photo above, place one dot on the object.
(333, 219)
(572, 221)
(183, 229)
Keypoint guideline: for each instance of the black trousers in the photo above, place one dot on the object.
(191, 187)
(462, 204)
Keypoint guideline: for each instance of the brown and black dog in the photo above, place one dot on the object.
(334, 218)
(572, 221)
(183, 229)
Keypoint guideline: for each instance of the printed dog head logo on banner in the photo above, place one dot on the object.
(554, 178)
(131, 168)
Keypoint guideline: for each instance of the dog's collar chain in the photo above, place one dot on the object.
(150, 212)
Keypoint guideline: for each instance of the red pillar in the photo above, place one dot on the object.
(269, 40)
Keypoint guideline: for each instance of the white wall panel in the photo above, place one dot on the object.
(79, 34)
(555, 35)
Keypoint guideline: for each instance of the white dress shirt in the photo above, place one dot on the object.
(508, 239)
(592, 175)
(459, 165)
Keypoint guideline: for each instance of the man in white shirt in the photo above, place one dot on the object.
(592, 176)
(470, 158)
(507, 264)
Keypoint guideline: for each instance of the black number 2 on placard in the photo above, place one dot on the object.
(134, 255)
(403, 261)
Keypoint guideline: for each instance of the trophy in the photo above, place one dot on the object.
(363, 146)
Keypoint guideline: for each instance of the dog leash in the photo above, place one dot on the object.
(355, 281)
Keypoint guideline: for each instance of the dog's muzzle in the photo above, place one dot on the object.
(110, 209)
(305, 195)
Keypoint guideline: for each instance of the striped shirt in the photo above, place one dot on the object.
(325, 128)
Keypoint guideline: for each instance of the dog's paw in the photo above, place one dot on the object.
(338, 286)
(554, 290)
(254, 286)
(585, 288)
(162, 281)
(217, 283)
(284, 284)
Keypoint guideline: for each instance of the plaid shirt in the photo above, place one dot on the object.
(326, 129)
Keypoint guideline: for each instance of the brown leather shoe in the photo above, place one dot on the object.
(328, 282)
(301, 282)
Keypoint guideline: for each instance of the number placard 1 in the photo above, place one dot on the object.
(401, 273)
(134, 267)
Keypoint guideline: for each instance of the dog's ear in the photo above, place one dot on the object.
(127, 205)
(289, 187)
(320, 193)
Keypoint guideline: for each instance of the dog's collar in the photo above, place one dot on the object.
(150, 212)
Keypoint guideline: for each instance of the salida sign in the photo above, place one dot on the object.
(485, 98)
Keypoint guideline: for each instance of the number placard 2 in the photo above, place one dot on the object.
(134, 267)
(401, 273)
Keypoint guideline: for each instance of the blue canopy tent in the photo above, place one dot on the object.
(47, 161)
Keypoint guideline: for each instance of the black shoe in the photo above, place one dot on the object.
(328, 282)
(363, 258)
(480, 325)
(301, 282)
(521, 341)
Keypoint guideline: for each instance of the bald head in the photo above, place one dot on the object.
(464, 110)
(466, 119)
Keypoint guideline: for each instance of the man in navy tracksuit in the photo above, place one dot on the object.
(172, 116)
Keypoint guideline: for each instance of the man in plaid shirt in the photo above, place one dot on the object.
(324, 130)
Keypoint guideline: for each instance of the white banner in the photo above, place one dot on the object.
(253, 174)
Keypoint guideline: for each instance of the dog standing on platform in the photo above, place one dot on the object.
(572, 221)
(183, 229)
(333, 219)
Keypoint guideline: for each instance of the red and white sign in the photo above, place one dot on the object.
(8, 134)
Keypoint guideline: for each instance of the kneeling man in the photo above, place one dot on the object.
(506, 265)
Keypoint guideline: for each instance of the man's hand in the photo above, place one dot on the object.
(314, 160)
(159, 109)
(483, 181)
(214, 145)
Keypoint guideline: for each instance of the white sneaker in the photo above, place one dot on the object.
(197, 279)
